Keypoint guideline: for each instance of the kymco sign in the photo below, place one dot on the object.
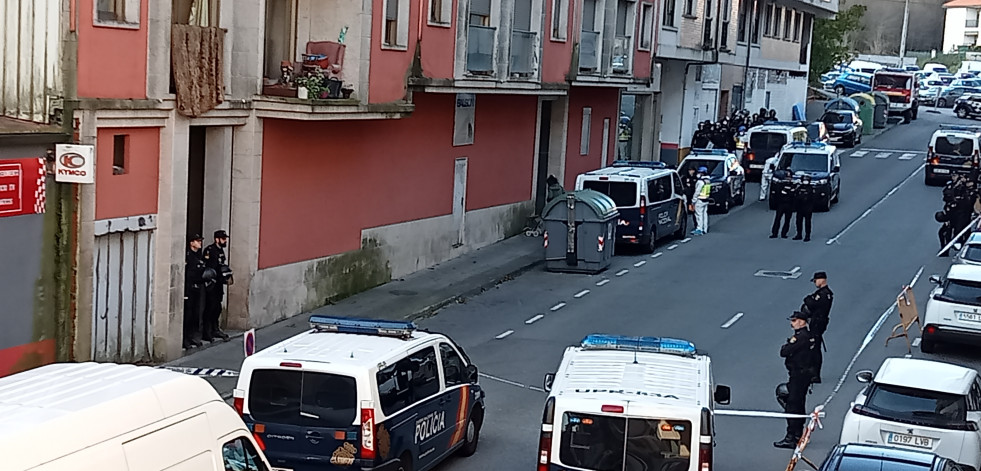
(74, 164)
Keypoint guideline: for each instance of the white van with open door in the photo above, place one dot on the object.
(107, 417)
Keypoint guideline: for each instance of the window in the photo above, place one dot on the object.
(454, 370)
(425, 374)
(970, 39)
(708, 33)
(669, 11)
(560, 19)
(584, 134)
(767, 141)
(302, 398)
(659, 189)
(117, 13)
(768, 20)
(240, 455)
(803, 162)
(395, 387)
(391, 22)
(679, 188)
(480, 13)
(280, 37)
(788, 23)
(689, 8)
(623, 194)
(798, 25)
(192, 12)
(962, 292)
(119, 153)
(440, 11)
(757, 18)
(743, 19)
(646, 26)
(603, 442)
(971, 20)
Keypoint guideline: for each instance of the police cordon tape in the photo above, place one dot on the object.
(213, 372)
(814, 421)
(760, 413)
(954, 239)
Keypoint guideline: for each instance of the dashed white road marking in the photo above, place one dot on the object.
(672, 246)
(877, 203)
(602, 282)
(859, 154)
(504, 334)
(883, 155)
(907, 156)
(916, 342)
(640, 263)
(535, 319)
(581, 294)
(732, 320)
(685, 240)
(622, 272)
(557, 307)
(657, 255)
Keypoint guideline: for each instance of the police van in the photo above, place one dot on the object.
(765, 141)
(361, 394)
(625, 403)
(953, 149)
(649, 196)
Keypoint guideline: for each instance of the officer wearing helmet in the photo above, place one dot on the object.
(703, 193)
(798, 354)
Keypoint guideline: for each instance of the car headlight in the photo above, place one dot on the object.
(823, 181)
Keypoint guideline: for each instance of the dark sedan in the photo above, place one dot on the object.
(844, 127)
(968, 106)
(860, 457)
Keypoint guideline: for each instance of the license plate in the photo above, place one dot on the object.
(281, 469)
(755, 166)
(969, 316)
(941, 171)
(910, 440)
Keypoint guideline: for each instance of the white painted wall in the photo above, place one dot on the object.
(954, 28)
(782, 97)
(671, 92)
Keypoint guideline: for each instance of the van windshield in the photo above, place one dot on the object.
(803, 162)
(953, 145)
(713, 166)
(605, 443)
(303, 398)
(623, 194)
(767, 141)
(892, 81)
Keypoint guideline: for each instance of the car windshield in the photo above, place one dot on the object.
(623, 194)
(803, 162)
(892, 81)
(835, 118)
(303, 399)
(714, 167)
(930, 408)
(972, 252)
(604, 443)
(954, 145)
(961, 291)
(767, 141)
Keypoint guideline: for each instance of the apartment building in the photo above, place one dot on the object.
(721, 55)
(961, 24)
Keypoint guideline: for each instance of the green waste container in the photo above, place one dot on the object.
(579, 230)
(881, 110)
(866, 111)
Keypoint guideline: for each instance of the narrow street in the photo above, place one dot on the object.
(879, 237)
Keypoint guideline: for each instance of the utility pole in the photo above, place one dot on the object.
(902, 42)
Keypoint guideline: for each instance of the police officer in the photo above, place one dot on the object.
(803, 206)
(703, 193)
(688, 180)
(798, 355)
(194, 268)
(214, 258)
(946, 232)
(701, 138)
(784, 201)
(817, 306)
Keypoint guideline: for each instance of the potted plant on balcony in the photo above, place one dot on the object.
(315, 84)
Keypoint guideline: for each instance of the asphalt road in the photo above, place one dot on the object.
(879, 237)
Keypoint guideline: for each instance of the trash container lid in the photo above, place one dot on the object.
(842, 103)
(863, 96)
(602, 205)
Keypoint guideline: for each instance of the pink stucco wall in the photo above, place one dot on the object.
(111, 61)
(438, 47)
(605, 103)
(556, 54)
(389, 67)
(642, 59)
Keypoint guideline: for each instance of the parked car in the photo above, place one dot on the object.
(727, 176)
(953, 311)
(844, 126)
(945, 78)
(948, 95)
(968, 106)
(862, 457)
(966, 82)
(918, 404)
(935, 68)
(853, 82)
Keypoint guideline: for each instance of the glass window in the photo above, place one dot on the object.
(604, 443)
(668, 19)
(953, 145)
(961, 291)
(624, 194)
(679, 188)
(240, 455)
(714, 167)
(454, 370)
(425, 374)
(917, 405)
(767, 141)
(303, 398)
(834, 118)
(659, 189)
(802, 162)
(395, 386)
(973, 253)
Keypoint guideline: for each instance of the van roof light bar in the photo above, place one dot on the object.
(785, 123)
(960, 127)
(667, 345)
(349, 325)
(639, 164)
(710, 151)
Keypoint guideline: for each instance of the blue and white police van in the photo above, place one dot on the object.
(361, 394)
(649, 197)
(626, 403)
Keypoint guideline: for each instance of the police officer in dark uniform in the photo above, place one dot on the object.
(214, 258)
(688, 181)
(700, 139)
(946, 232)
(784, 201)
(798, 355)
(803, 206)
(194, 268)
(817, 306)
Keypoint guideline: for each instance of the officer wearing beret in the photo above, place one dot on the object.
(817, 306)
(798, 355)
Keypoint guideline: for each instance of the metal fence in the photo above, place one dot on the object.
(480, 49)
(523, 48)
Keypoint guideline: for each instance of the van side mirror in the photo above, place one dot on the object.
(864, 376)
(723, 394)
(935, 279)
(836, 169)
(547, 383)
(472, 374)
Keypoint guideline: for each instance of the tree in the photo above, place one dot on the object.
(830, 43)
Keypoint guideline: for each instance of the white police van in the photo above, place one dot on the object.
(361, 394)
(625, 403)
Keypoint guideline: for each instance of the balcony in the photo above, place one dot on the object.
(589, 50)
(622, 54)
(972, 23)
(524, 60)
(480, 49)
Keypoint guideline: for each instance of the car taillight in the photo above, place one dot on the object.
(643, 206)
(751, 156)
(977, 157)
(705, 457)
(545, 449)
(367, 430)
(931, 329)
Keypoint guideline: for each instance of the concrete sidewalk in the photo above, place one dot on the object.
(417, 295)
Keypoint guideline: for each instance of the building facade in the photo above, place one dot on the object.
(961, 24)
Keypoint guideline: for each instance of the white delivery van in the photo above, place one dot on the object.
(108, 417)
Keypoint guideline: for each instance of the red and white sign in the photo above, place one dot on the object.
(600, 242)
(248, 342)
(22, 186)
(74, 163)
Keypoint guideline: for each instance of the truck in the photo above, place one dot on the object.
(901, 88)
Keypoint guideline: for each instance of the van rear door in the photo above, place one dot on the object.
(625, 194)
(614, 442)
(307, 420)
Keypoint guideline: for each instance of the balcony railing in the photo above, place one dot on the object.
(589, 51)
(523, 48)
(622, 54)
(971, 23)
(480, 49)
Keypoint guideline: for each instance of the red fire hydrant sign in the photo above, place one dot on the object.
(22, 187)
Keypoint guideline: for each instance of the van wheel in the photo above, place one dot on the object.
(683, 227)
(927, 346)
(962, 113)
(405, 462)
(741, 198)
(651, 242)
(907, 116)
(472, 434)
